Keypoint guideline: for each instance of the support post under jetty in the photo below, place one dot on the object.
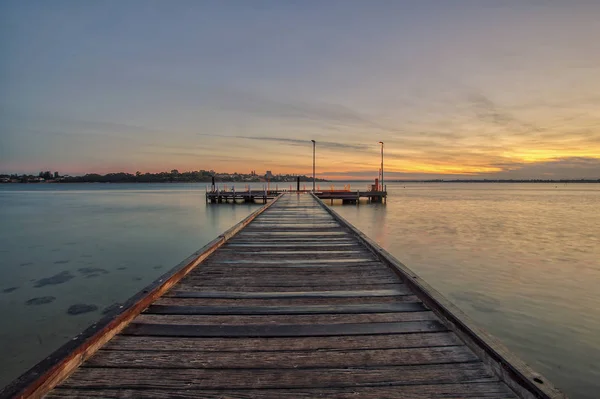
(292, 302)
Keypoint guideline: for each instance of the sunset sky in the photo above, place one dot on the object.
(477, 89)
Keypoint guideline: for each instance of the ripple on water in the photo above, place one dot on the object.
(59, 278)
(61, 262)
(10, 289)
(478, 301)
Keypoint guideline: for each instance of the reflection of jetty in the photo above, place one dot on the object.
(292, 302)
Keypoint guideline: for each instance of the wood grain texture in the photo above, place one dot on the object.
(399, 289)
(287, 310)
(285, 301)
(287, 319)
(415, 340)
(492, 390)
(122, 378)
(282, 359)
(289, 330)
(292, 287)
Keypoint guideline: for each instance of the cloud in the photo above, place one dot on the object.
(297, 142)
(563, 168)
(326, 114)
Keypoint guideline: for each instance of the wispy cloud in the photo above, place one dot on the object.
(297, 142)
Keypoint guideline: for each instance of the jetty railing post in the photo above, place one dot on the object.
(381, 142)
(314, 144)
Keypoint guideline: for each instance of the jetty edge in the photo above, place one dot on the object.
(510, 368)
(349, 321)
(58, 366)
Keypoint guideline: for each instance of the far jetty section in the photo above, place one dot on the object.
(229, 194)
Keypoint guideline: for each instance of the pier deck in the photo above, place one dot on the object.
(291, 303)
(262, 196)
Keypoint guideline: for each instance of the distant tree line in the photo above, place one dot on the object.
(161, 177)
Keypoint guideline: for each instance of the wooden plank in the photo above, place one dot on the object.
(260, 255)
(267, 271)
(491, 390)
(284, 302)
(289, 281)
(414, 340)
(260, 288)
(399, 290)
(268, 251)
(121, 378)
(286, 261)
(273, 310)
(289, 330)
(281, 359)
(316, 244)
(238, 320)
(291, 266)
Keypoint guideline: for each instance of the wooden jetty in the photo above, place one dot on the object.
(262, 196)
(292, 302)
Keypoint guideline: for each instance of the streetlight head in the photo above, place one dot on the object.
(381, 142)
(313, 141)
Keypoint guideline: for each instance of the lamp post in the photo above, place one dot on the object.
(381, 142)
(314, 144)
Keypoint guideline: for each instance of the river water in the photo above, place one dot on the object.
(522, 260)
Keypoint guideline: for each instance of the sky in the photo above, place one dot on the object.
(454, 88)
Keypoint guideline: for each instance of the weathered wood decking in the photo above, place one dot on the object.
(297, 304)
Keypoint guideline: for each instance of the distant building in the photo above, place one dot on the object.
(268, 175)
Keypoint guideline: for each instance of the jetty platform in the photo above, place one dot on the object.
(262, 196)
(292, 302)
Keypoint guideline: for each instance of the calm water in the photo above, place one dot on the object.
(522, 260)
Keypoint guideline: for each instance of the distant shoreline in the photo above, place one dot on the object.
(586, 181)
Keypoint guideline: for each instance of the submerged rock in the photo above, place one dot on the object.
(59, 278)
(92, 270)
(10, 289)
(40, 300)
(80, 308)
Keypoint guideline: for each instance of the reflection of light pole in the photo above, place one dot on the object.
(314, 144)
(381, 142)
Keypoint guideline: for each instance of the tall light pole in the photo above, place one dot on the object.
(314, 144)
(381, 142)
